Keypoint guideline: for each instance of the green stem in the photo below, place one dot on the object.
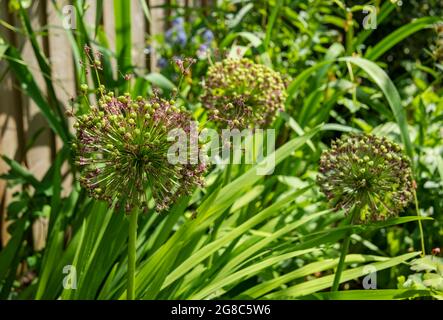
(132, 253)
(228, 171)
(343, 253)
(341, 262)
(217, 223)
(349, 34)
(420, 226)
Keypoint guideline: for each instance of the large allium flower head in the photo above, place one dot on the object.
(368, 172)
(239, 93)
(122, 151)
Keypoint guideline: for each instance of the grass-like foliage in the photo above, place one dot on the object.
(132, 225)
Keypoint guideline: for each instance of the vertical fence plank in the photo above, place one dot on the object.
(89, 22)
(109, 28)
(60, 56)
(11, 124)
(90, 14)
(38, 157)
(157, 25)
(138, 35)
(63, 73)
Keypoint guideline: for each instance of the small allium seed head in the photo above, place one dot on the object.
(354, 173)
(233, 96)
(122, 152)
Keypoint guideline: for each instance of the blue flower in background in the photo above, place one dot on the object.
(162, 62)
(178, 22)
(169, 34)
(181, 37)
(177, 34)
(208, 36)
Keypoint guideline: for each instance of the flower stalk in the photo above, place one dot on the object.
(132, 253)
(343, 253)
(420, 226)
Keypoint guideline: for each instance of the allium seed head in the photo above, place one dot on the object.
(368, 172)
(122, 151)
(242, 94)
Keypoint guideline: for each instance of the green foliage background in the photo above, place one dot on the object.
(245, 235)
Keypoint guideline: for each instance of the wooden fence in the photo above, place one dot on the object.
(20, 118)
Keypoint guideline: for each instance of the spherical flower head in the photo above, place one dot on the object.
(239, 93)
(122, 152)
(366, 172)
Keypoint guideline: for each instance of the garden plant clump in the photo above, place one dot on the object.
(107, 132)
